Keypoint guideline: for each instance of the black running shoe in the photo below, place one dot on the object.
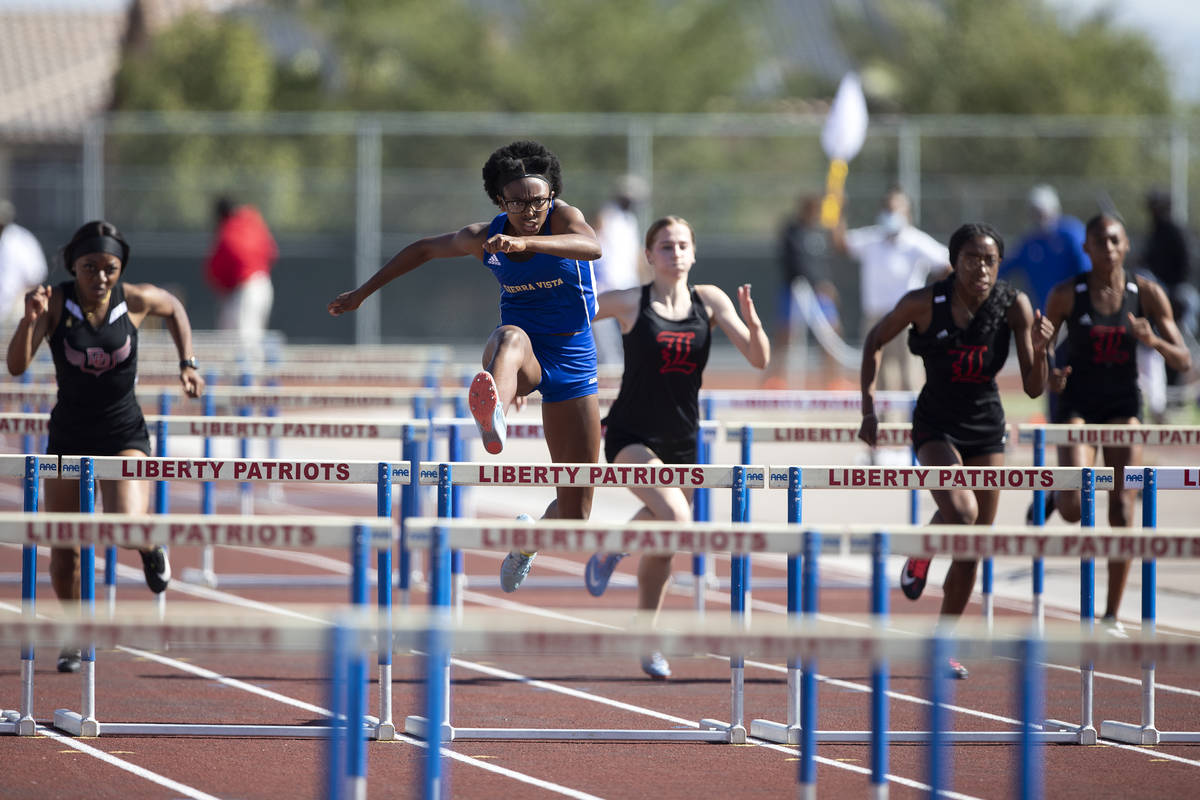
(957, 670)
(1049, 501)
(69, 660)
(912, 577)
(157, 569)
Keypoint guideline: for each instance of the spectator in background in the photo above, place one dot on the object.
(1051, 252)
(894, 258)
(619, 232)
(239, 270)
(803, 256)
(22, 265)
(1165, 255)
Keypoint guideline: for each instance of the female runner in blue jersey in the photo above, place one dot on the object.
(961, 327)
(666, 329)
(91, 324)
(540, 250)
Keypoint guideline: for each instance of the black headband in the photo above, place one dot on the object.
(516, 176)
(97, 244)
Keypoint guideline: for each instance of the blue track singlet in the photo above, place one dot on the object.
(553, 300)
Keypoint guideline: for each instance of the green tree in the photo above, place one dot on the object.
(1005, 57)
(536, 55)
(205, 62)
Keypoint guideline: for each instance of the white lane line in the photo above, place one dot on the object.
(512, 605)
(234, 683)
(120, 763)
(497, 672)
(1150, 752)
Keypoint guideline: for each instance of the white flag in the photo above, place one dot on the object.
(846, 126)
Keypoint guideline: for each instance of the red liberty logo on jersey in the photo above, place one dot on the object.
(97, 360)
(968, 364)
(676, 351)
(1108, 344)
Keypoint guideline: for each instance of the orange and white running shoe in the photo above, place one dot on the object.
(488, 412)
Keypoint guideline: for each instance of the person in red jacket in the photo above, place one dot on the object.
(239, 270)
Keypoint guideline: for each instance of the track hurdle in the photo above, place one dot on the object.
(87, 470)
(1150, 480)
(31, 470)
(341, 636)
(528, 536)
(921, 541)
(796, 479)
(1039, 436)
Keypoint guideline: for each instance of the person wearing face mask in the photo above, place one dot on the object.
(91, 324)
(540, 250)
(894, 258)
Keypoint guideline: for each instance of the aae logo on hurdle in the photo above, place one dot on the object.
(1164, 477)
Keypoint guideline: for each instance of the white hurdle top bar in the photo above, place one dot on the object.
(498, 632)
(1164, 477)
(960, 541)
(839, 477)
(890, 433)
(1114, 435)
(128, 530)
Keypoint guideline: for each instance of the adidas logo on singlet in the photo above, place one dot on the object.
(942, 334)
(1085, 319)
(493, 260)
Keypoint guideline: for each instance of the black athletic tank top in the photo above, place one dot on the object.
(1101, 349)
(960, 389)
(96, 368)
(664, 364)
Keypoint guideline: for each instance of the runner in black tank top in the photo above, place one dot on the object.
(1102, 354)
(97, 413)
(659, 402)
(960, 401)
(1107, 312)
(656, 415)
(92, 324)
(960, 326)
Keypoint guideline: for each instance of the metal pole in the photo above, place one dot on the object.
(367, 239)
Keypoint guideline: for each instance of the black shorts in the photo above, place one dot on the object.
(1098, 410)
(670, 451)
(967, 449)
(101, 440)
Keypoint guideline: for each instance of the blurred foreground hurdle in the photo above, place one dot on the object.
(347, 637)
(1151, 480)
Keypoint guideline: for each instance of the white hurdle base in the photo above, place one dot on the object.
(74, 723)
(734, 734)
(12, 722)
(784, 734)
(417, 726)
(71, 722)
(1128, 732)
(1082, 735)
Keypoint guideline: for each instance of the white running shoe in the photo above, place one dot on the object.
(488, 412)
(516, 564)
(1113, 627)
(656, 666)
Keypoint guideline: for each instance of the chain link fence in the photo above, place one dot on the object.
(342, 192)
